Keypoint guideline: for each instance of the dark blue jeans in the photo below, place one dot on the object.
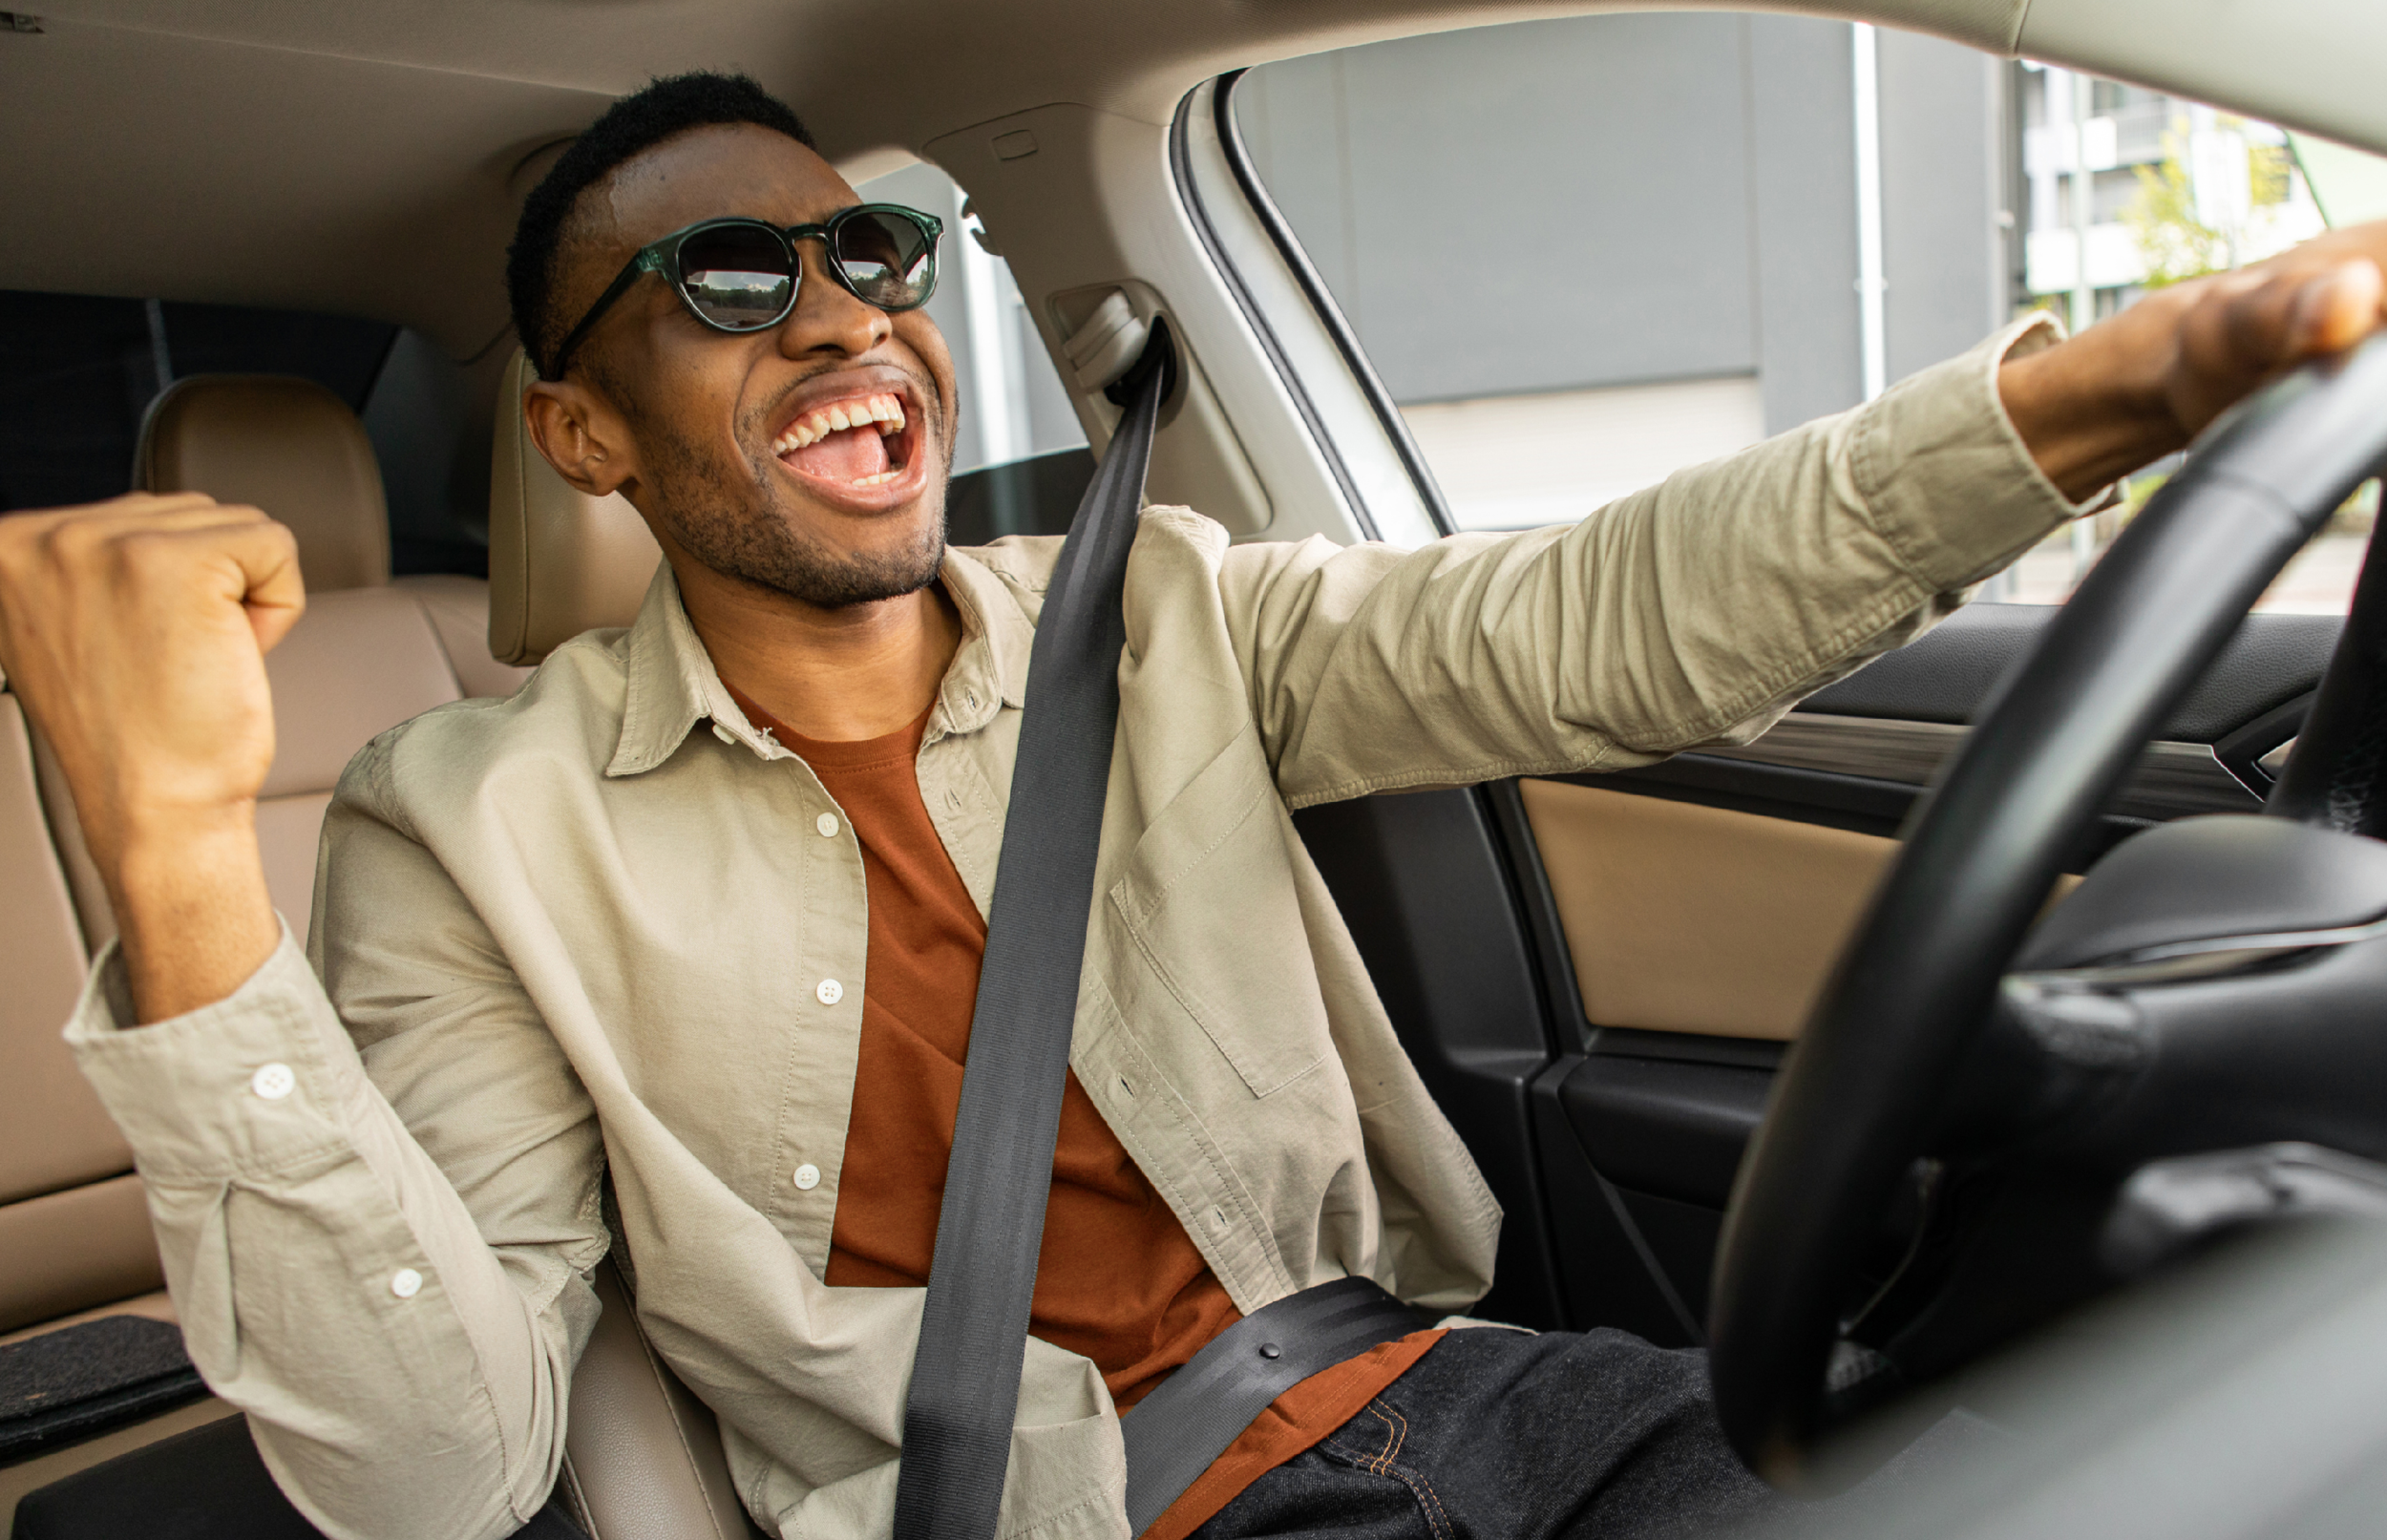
(1496, 1435)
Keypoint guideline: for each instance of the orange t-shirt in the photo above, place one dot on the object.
(1117, 1278)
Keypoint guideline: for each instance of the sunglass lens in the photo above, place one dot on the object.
(737, 275)
(889, 260)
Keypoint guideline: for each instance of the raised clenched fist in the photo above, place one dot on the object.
(134, 632)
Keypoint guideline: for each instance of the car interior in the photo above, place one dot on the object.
(1599, 977)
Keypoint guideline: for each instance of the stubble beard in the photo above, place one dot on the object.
(730, 526)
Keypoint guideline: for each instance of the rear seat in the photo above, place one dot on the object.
(74, 1235)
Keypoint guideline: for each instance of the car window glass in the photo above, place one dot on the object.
(77, 372)
(1584, 253)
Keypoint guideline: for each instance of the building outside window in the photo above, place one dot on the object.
(2122, 191)
(1717, 227)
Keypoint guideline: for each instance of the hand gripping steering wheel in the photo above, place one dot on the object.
(1866, 1090)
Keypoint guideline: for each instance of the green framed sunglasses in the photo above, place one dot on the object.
(738, 275)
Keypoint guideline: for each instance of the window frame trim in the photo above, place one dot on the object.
(1321, 303)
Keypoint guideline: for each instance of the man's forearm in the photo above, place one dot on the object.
(134, 631)
(2140, 385)
(192, 910)
(1682, 613)
(2087, 420)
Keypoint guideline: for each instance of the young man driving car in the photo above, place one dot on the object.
(697, 916)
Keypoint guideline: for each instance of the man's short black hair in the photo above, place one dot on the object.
(637, 123)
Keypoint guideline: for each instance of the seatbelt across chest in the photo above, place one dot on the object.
(982, 1277)
(965, 1377)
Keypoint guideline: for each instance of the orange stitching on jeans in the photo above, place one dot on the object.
(1429, 1503)
(1441, 1523)
(1342, 1449)
(1421, 1490)
(1377, 1463)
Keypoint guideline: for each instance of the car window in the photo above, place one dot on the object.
(77, 372)
(2122, 191)
(1584, 253)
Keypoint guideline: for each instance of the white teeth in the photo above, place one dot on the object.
(885, 412)
(880, 479)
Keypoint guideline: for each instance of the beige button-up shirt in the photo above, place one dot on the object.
(603, 925)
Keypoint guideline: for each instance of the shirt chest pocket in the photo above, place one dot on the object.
(1208, 902)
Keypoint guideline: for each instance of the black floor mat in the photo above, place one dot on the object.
(208, 1484)
(70, 1384)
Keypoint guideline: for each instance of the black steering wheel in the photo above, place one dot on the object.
(1892, 1059)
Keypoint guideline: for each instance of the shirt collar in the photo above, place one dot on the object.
(671, 686)
(990, 668)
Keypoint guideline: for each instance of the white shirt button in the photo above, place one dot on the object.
(830, 991)
(724, 734)
(406, 1284)
(826, 824)
(273, 1081)
(807, 1178)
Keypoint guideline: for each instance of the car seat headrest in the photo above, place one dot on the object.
(560, 563)
(284, 445)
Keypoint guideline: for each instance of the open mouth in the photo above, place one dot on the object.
(858, 445)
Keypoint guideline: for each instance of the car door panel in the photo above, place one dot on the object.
(1703, 901)
(1597, 974)
(1684, 918)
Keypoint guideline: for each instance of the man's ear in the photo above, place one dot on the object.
(581, 436)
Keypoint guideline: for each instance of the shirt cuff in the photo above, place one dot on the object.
(259, 1083)
(1948, 481)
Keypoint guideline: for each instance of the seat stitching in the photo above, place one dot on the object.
(577, 1499)
(679, 1428)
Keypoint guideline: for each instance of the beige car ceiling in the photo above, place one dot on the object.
(368, 158)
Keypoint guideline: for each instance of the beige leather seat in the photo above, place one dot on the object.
(560, 563)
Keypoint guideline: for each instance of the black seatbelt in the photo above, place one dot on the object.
(965, 1376)
(1175, 1432)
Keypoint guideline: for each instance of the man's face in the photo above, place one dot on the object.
(732, 452)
